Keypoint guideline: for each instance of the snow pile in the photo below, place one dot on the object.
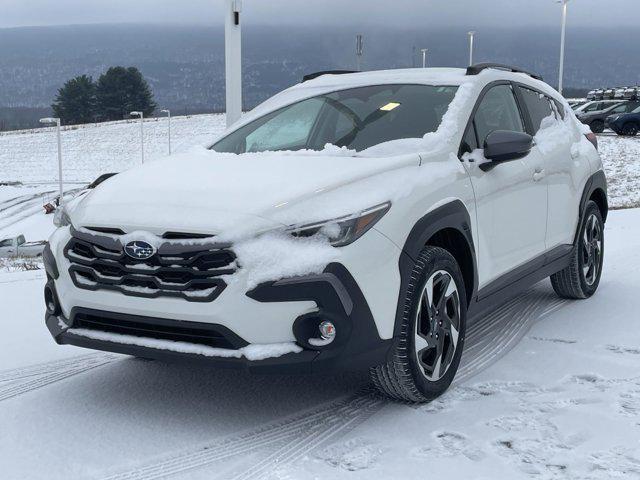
(252, 352)
(553, 134)
(277, 255)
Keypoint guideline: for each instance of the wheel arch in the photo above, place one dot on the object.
(449, 227)
(595, 189)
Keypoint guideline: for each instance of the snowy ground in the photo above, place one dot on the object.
(548, 389)
(91, 150)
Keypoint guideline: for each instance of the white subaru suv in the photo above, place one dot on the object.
(353, 221)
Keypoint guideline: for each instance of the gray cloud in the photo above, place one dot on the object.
(394, 13)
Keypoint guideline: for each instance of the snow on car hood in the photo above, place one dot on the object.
(202, 191)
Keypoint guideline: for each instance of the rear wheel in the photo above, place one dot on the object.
(428, 351)
(582, 277)
(630, 129)
(597, 126)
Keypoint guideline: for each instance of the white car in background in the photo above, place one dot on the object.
(352, 221)
(19, 247)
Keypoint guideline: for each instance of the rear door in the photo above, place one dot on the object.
(512, 197)
(566, 168)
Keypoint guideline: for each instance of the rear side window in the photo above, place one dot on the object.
(538, 106)
(498, 110)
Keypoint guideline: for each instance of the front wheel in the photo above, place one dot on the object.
(582, 277)
(427, 354)
(597, 126)
(630, 129)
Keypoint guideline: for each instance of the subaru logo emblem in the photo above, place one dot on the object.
(139, 250)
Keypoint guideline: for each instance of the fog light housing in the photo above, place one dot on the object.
(327, 330)
(51, 299)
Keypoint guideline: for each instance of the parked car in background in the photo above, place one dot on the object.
(596, 119)
(577, 103)
(631, 93)
(596, 105)
(627, 124)
(19, 247)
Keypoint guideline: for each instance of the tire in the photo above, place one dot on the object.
(434, 305)
(581, 278)
(630, 129)
(597, 126)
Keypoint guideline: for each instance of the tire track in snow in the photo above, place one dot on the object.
(23, 380)
(289, 437)
(12, 202)
(498, 333)
(286, 441)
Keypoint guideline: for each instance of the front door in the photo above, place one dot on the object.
(511, 198)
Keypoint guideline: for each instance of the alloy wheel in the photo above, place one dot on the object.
(437, 325)
(591, 250)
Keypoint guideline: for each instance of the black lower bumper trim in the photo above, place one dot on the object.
(339, 298)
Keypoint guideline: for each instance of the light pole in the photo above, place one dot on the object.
(233, 60)
(359, 50)
(141, 115)
(168, 112)
(471, 35)
(56, 122)
(562, 40)
(424, 56)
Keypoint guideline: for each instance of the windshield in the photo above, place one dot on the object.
(357, 118)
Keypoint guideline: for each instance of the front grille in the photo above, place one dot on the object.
(161, 329)
(191, 269)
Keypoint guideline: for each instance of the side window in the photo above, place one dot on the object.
(498, 110)
(538, 107)
(6, 243)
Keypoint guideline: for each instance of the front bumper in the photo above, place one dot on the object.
(274, 313)
(338, 298)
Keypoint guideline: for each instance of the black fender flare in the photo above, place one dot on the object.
(453, 215)
(597, 181)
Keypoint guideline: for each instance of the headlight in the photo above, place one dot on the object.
(61, 217)
(344, 230)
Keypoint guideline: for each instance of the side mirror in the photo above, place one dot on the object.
(505, 145)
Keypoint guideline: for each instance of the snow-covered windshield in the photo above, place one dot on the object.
(357, 118)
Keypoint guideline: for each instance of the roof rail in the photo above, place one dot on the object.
(479, 67)
(311, 76)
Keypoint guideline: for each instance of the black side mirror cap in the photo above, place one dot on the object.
(505, 145)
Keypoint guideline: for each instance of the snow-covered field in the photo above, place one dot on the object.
(91, 150)
(548, 389)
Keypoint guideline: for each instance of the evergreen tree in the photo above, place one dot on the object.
(120, 91)
(76, 101)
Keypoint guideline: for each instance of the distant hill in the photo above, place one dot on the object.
(185, 64)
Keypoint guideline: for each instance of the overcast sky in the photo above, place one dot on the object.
(472, 13)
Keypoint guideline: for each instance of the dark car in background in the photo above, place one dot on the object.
(627, 124)
(596, 118)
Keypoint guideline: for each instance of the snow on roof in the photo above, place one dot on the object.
(429, 76)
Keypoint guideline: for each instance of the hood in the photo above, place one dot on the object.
(208, 192)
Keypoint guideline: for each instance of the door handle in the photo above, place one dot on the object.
(538, 175)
